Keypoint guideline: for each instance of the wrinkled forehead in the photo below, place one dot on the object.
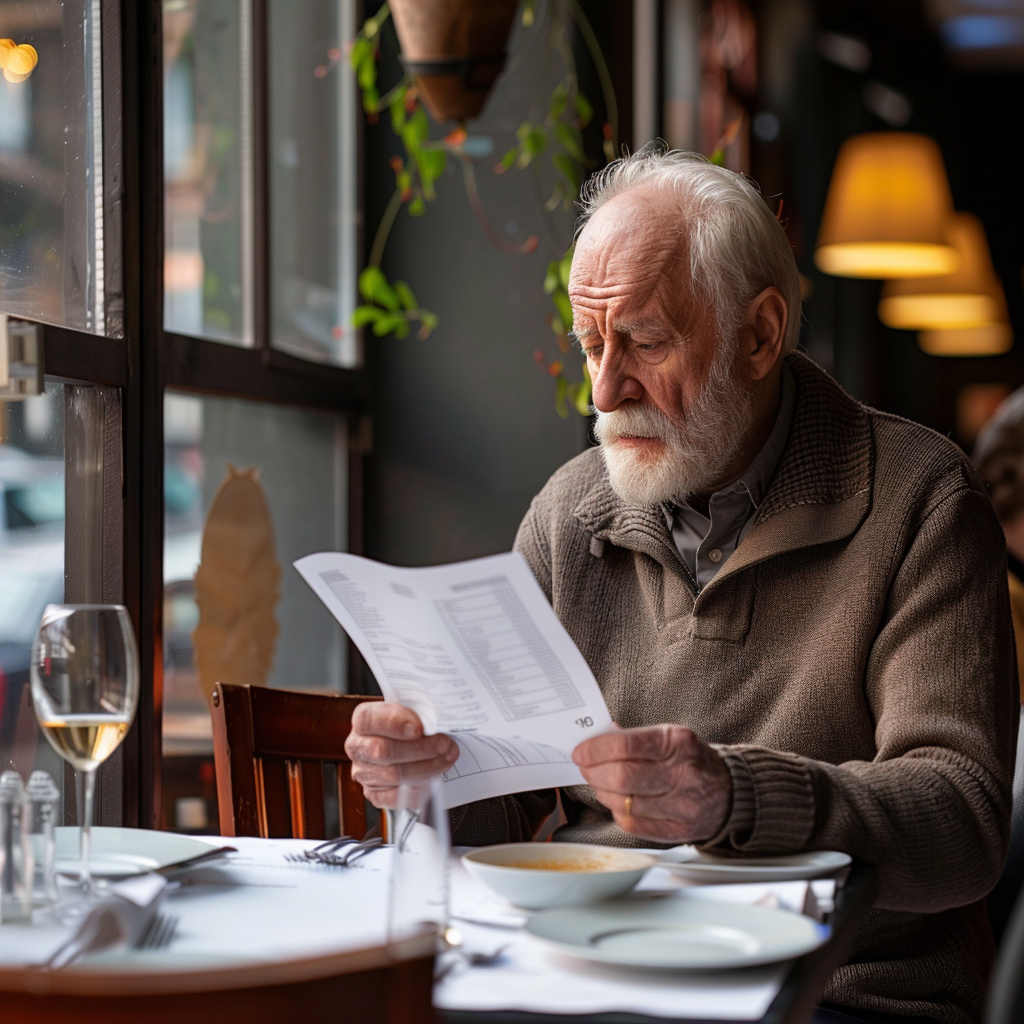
(638, 236)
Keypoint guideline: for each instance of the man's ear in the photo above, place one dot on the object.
(763, 332)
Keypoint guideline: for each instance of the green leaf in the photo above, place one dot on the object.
(429, 320)
(416, 130)
(559, 101)
(564, 307)
(523, 131)
(403, 180)
(405, 296)
(366, 73)
(584, 110)
(366, 315)
(565, 266)
(535, 141)
(717, 158)
(397, 110)
(583, 394)
(402, 330)
(361, 49)
(431, 163)
(417, 207)
(369, 281)
(387, 324)
(510, 157)
(561, 387)
(569, 137)
(552, 278)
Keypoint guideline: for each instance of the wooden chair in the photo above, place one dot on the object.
(269, 748)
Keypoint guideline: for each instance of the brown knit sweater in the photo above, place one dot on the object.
(854, 660)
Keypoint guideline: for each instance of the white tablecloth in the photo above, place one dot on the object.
(256, 906)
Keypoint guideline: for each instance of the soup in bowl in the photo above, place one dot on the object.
(536, 876)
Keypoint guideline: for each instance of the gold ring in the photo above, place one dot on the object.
(629, 805)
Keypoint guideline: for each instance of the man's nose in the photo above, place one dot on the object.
(615, 383)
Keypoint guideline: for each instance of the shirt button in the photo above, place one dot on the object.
(715, 555)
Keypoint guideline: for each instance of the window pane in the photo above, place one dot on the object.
(31, 563)
(312, 179)
(299, 458)
(59, 179)
(207, 169)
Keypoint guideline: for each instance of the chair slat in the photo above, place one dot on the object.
(306, 790)
(351, 803)
(276, 817)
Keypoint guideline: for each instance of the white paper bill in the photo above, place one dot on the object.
(476, 651)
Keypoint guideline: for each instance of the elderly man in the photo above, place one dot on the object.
(795, 605)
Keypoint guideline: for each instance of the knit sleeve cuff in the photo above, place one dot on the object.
(772, 802)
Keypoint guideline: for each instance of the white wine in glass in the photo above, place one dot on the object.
(85, 687)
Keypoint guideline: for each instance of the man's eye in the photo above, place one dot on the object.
(594, 352)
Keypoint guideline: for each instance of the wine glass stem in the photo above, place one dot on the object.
(86, 786)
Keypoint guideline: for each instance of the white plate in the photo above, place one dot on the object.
(702, 867)
(677, 933)
(120, 852)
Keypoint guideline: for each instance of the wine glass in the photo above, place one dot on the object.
(85, 687)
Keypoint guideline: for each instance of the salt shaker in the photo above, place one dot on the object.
(43, 796)
(15, 851)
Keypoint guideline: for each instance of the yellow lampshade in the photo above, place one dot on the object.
(987, 340)
(887, 208)
(972, 296)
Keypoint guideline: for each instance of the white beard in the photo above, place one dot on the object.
(696, 451)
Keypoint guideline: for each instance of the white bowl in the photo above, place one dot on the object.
(540, 875)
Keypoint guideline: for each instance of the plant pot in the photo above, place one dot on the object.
(456, 50)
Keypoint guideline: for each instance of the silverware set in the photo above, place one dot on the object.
(336, 853)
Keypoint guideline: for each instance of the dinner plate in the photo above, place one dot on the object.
(677, 933)
(120, 852)
(703, 867)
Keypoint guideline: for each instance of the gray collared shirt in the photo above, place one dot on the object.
(705, 544)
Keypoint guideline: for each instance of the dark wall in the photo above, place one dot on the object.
(465, 425)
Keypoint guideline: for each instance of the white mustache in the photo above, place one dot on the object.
(636, 421)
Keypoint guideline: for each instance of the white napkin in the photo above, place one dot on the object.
(119, 918)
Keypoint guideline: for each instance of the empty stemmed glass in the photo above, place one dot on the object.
(85, 688)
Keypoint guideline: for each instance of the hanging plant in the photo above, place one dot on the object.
(452, 52)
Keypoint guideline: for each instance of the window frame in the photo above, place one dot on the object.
(148, 360)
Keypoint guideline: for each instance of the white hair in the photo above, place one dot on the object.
(737, 247)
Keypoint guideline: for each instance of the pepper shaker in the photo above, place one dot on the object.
(15, 851)
(43, 796)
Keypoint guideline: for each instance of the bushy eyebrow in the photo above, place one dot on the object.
(637, 329)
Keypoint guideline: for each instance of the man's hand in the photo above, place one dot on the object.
(680, 787)
(387, 747)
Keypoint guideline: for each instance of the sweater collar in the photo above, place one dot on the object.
(820, 490)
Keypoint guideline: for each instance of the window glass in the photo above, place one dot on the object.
(59, 183)
(207, 169)
(31, 563)
(312, 179)
(299, 460)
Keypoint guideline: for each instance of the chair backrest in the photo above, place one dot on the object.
(270, 747)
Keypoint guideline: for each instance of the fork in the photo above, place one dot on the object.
(351, 854)
(304, 856)
(159, 933)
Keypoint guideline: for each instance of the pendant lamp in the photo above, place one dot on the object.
(887, 208)
(972, 296)
(988, 340)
